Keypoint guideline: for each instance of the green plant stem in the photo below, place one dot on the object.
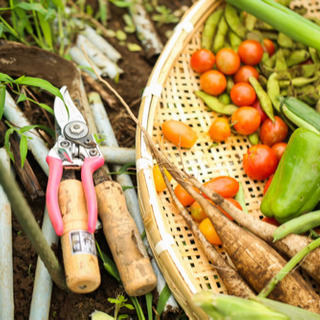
(30, 226)
(36, 24)
(288, 267)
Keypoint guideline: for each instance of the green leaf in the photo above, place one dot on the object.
(39, 83)
(124, 168)
(39, 126)
(5, 78)
(22, 98)
(124, 188)
(32, 7)
(7, 142)
(2, 99)
(133, 47)
(23, 149)
(149, 299)
(138, 308)
(46, 29)
(121, 4)
(163, 298)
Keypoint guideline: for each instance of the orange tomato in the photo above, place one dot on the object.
(227, 61)
(244, 73)
(220, 129)
(183, 196)
(226, 186)
(246, 120)
(202, 60)
(179, 133)
(209, 232)
(197, 212)
(158, 179)
(213, 82)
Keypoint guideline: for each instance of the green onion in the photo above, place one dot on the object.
(283, 19)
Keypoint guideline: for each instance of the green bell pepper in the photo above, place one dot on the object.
(295, 187)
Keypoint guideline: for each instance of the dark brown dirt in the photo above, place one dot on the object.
(71, 306)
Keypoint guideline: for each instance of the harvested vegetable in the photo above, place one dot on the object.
(250, 52)
(210, 28)
(202, 60)
(272, 132)
(213, 82)
(158, 179)
(244, 72)
(295, 188)
(227, 61)
(246, 120)
(226, 186)
(242, 94)
(209, 232)
(220, 129)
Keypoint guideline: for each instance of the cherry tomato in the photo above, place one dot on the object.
(273, 132)
(250, 52)
(258, 107)
(267, 185)
(260, 162)
(158, 179)
(243, 74)
(271, 221)
(226, 186)
(246, 120)
(233, 202)
(220, 129)
(268, 46)
(202, 60)
(278, 149)
(197, 213)
(209, 232)
(213, 82)
(243, 94)
(183, 196)
(227, 61)
(179, 133)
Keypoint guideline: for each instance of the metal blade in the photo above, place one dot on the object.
(65, 114)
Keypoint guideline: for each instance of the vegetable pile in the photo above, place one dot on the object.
(263, 82)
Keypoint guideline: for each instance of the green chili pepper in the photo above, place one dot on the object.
(209, 29)
(234, 22)
(273, 90)
(214, 104)
(285, 41)
(297, 57)
(265, 101)
(295, 187)
(219, 39)
(298, 225)
(250, 21)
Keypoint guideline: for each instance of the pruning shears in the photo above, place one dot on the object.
(75, 149)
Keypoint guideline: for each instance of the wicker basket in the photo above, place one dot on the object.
(170, 95)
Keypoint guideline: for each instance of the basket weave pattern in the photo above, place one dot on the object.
(204, 160)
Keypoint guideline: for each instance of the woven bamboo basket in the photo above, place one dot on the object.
(169, 94)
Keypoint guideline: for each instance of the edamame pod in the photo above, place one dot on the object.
(280, 63)
(314, 55)
(273, 90)
(234, 22)
(264, 99)
(209, 29)
(297, 57)
(219, 39)
(250, 21)
(298, 82)
(254, 138)
(304, 70)
(214, 104)
(298, 225)
(285, 41)
(234, 39)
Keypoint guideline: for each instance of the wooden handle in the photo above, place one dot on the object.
(78, 245)
(124, 240)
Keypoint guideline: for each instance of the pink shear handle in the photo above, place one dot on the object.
(89, 166)
(55, 174)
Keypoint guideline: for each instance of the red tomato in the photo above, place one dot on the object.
(213, 82)
(243, 74)
(278, 149)
(220, 129)
(273, 132)
(246, 120)
(258, 107)
(267, 185)
(260, 162)
(183, 196)
(226, 186)
(268, 46)
(179, 133)
(197, 212)
(243, 94)
(227, 61)
(202, 60)
(271, 221)
(250, 52)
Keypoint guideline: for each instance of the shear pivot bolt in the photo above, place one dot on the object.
(93, 152)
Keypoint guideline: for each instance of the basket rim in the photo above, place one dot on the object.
(160, 241)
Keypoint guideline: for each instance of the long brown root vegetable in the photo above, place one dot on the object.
(232, 280)
(253, 258)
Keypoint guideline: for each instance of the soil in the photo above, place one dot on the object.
(74, 306)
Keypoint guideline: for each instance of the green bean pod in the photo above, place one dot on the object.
(234, 22)
(273, 89)
(298, 225)
(265, 101)
(209, 29)
(297, 57)
(214, 104)
(219, 39)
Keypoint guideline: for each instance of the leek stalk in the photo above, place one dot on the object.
(283, 19)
